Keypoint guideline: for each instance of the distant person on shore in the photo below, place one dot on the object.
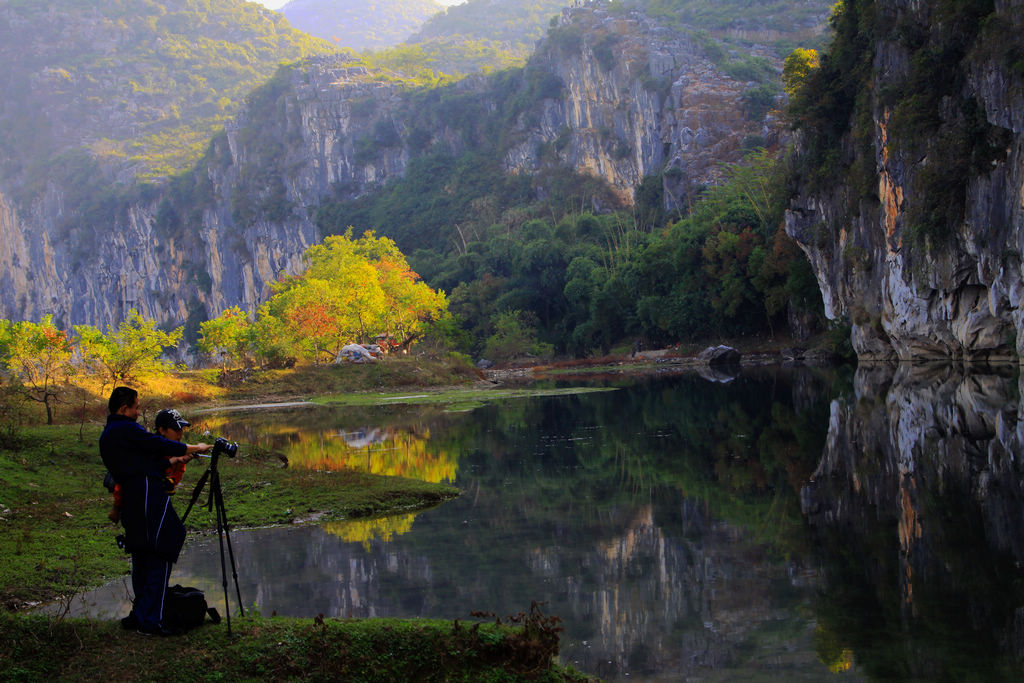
(138, 461)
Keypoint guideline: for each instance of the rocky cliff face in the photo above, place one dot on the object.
(620, 98)
(638, 99)
(919, 243)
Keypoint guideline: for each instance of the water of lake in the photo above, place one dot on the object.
(792, 523)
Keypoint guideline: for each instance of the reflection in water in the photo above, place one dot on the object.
(772, 526)
(393, 451)
(363, 531)
(653, 520)
(918, 507)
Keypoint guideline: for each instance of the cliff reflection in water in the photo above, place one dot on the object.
(918, 511)
(654, 520)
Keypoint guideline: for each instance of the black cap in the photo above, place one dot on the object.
(169, 418)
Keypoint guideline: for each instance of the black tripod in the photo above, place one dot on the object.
(216, 500)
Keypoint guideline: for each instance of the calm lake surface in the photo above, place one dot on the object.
(787, 524)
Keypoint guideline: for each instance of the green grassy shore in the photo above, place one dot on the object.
(56, 540)
(273, 648)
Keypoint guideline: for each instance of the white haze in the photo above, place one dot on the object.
(278, 4)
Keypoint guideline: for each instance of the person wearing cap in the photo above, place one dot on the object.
(171, 425)
(138, 461)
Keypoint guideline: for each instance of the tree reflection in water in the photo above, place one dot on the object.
(659, 521)
(392, 450)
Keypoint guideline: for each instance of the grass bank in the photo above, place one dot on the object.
(452, 399)
(36, 648)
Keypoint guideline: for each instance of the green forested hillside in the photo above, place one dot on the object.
(534, 271)
(511, 21)
(139, 84)
(771, 21)
(357, 24)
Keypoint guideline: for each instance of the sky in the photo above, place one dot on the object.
(277, 4)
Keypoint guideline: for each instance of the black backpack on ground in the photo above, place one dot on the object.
(186, 608)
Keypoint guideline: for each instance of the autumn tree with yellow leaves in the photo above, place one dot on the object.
(352, 291)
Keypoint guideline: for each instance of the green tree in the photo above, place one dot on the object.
(270, 336)
(515, 336)
(131, 351)
(797, 67)
(39, 355)
(352, 290)
(228, 336)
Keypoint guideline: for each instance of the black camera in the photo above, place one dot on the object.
(222, 445)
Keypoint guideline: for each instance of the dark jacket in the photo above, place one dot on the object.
(137, 460)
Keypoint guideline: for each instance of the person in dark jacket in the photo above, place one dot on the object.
(137, 461)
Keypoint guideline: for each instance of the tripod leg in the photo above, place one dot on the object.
(195, 493)
(219, 498)
(221, 530)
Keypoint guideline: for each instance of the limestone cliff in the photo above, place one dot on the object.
(615, 96)
(637, 99)
(909, 178)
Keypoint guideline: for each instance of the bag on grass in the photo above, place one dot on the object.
(186, 608)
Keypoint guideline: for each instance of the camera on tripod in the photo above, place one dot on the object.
(222, 445)
(216, 502)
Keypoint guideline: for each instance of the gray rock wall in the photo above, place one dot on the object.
(908, 298)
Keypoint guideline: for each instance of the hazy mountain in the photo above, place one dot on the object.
(511, 21)
(495, 34)
(358, 24)
(138, 83)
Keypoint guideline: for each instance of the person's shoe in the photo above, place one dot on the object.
(130, 623)
(159, 631)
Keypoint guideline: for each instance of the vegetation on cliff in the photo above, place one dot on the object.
(513, 26)
(929, 116)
